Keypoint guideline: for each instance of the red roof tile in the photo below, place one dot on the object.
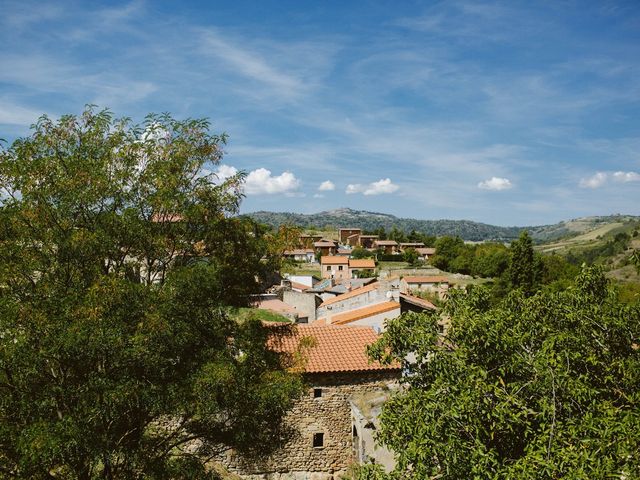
(330, 349)
(333, 260)
(362, 263)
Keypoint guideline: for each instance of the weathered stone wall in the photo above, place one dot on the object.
(329, 414)
(305, 303)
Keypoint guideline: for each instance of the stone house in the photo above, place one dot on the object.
(361, 267)
(426, 252)
(390, 247)
(349, 236)
(370, 305)
(367, 241)
(435, 284)
(335, 267)
(337, 371)
(325, 247)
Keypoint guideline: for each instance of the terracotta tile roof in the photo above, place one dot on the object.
(368, 236)
(426, 279)
(426, 251)
(332, 349)
(324, 243)
(352, 293)
(411, 244)
(333, 260)
(360, 313)
(362, 263)
(385, 242)
(420, 302)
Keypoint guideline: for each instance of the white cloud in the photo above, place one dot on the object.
(225, 171)
(384, 185)
(626, 177)
(595, 181)
(318, 195)
(327, 186)
(496, 183)
(261, 181)
(601, 178)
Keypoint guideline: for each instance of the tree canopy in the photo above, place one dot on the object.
(541, 386)
(119, 254)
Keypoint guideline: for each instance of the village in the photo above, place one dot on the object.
(342, 309)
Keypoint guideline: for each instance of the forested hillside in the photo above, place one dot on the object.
(465, 229)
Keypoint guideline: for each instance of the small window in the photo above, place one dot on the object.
(317, 392)
(355, 431)
(328, 268)
(340, 267)
(318, 440)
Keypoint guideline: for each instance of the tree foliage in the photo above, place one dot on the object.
(542, 386)
(118, 257)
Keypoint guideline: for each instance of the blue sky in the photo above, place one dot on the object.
(510, 113)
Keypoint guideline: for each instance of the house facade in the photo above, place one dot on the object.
(335, 267)
(326, 438)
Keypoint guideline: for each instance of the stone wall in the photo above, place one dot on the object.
(305, 303)
(329, 414)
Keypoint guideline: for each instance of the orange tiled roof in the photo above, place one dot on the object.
(333, 260)
(432, 279)
(352, 293)
(324, 243)
(426, 251)
(362, 263)
(365, 312)
(385, 242)
(333, 349)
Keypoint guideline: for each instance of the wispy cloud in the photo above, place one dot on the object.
(600, 179)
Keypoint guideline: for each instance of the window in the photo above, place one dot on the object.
(340, 267)
(318, 440)
(317, 392)
(328, 268)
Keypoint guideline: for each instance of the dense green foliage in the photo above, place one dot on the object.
(545, 386)
(118, 257)
(481, 260)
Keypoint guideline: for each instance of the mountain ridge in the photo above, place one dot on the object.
(467, 229)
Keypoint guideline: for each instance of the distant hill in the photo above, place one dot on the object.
(466, 229)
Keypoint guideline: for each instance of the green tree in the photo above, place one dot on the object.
(447, 249)
(536, 387)
(118, 257)
(410, 255)
(525, 269)
(359, 253)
